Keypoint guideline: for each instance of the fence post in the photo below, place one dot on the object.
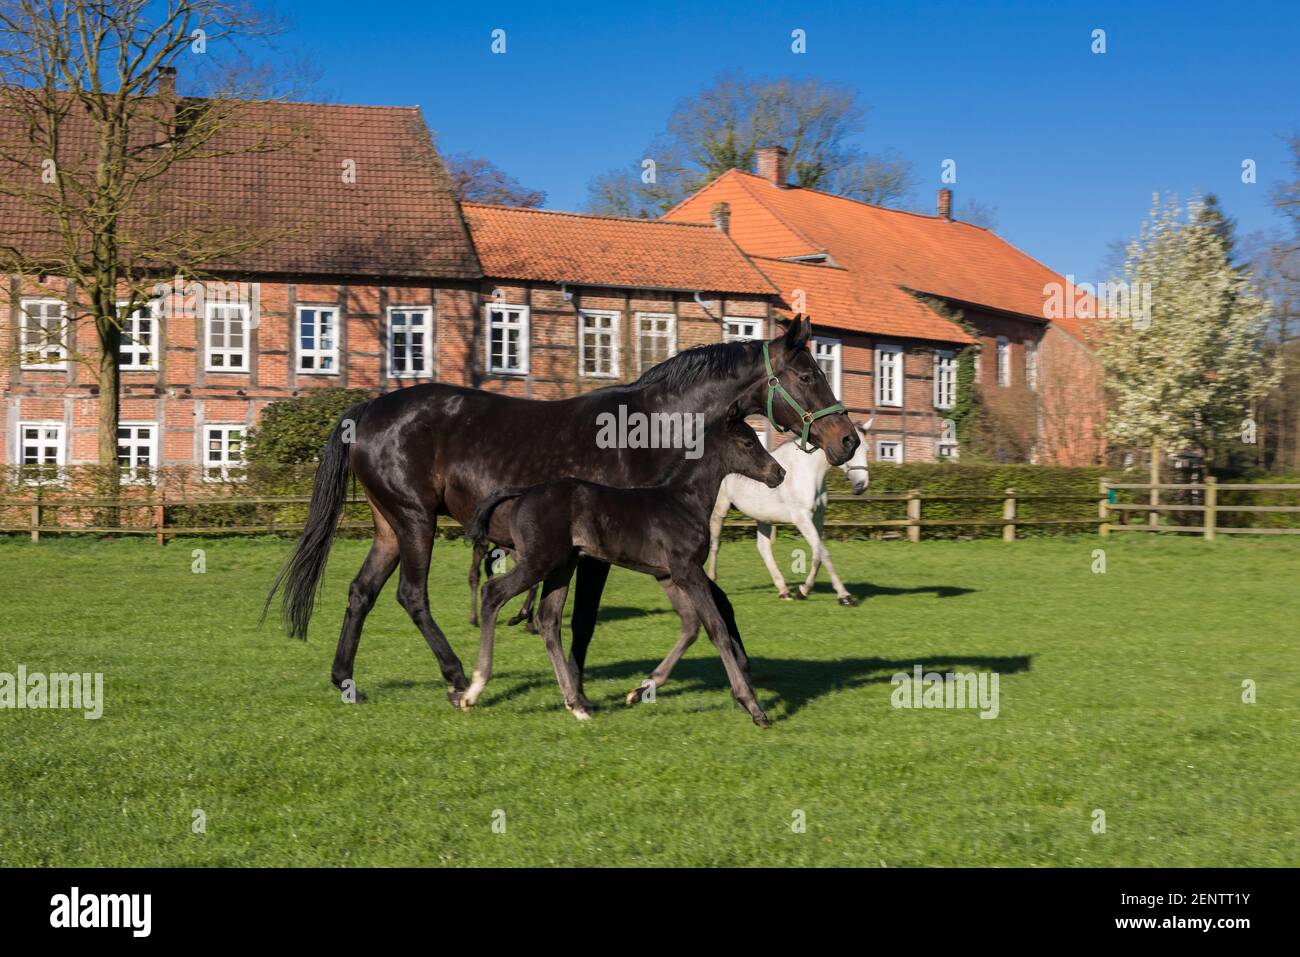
(1009, 516)
(1103, 512)
(36, 522)
(1211, 508)
(159, 517)
(914, 515)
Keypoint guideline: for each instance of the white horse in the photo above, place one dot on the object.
(800, 501)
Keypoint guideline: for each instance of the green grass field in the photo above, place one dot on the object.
(1119, 691)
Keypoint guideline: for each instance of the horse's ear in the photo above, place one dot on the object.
(798, 333)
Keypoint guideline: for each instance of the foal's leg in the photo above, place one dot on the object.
(499, 590)
(763, 540)
(810, 533)
(413, 595)
(549, 614)
(685, 609)
(365, 588)
(592, 574)
(475, 564)
(720, 508)
(696, 585)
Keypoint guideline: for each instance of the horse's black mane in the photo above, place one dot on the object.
(717, 360)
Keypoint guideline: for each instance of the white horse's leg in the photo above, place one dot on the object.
(720, 508)
(812, 534)
(764, 539)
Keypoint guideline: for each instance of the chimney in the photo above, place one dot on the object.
(772, 163)
(945, 204)
(721, 213)
(167, 81)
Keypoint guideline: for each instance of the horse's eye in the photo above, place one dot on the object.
(805, 378)
(748, 443)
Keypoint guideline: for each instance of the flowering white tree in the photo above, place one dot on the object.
(1189, 370)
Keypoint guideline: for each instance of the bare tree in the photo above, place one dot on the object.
(477, 180)
(94, 145)
(723, 126)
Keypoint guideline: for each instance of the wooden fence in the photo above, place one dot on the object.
(910, 524)
(1209, 509)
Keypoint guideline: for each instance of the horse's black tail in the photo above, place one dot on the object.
(302, 574)
(478, 525)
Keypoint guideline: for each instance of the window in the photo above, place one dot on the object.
(223, 452)
(889, 375)
(946, 445)
(827, 354)
(889, 451)
(1031, 365)
(227, 337)
(597, 344)
(137, 449)
(507, 340)
(43, 328)
(735, 330)
(656, 338)
(318, 340)
(40, 450)
(139, 329)
(945, 380)
(1004, 362)
(408, 339)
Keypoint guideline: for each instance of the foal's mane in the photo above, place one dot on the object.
(717, 360)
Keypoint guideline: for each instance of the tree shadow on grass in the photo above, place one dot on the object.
(795, 682)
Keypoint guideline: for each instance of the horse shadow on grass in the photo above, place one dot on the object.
(792, 683)
(866, 590)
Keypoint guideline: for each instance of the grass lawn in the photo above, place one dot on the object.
(1119, 691)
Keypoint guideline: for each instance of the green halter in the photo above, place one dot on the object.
(774, 388)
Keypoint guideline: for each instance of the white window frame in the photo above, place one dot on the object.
(426, 327)
(612, 331)
(225, 466)
(152, 310)
(1031, 365)
(226, 351)
(945, 378)
(59, 348)
(60, 452)
(1004, 362)
(523, 323)
(670, 335)
(836, 354)
(893, 397)
(316, 352)
(946, 442)
(758, 325)
(881, 445)
(132, 467)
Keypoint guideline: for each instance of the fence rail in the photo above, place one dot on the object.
(911, 525)
(1210, 509)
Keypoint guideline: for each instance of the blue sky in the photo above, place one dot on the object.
(1067, 144)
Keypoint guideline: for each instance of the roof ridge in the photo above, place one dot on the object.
(573, 215)
(863, 202)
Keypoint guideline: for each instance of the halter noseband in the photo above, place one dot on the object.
(775, 388)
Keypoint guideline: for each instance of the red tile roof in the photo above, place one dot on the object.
(551, 246)
(398, 219)
(834, 297)
(881, 249)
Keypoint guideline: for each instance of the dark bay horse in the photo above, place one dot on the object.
(437, 449)
(661, 530)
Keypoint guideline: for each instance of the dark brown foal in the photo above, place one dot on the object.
(662, 530)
